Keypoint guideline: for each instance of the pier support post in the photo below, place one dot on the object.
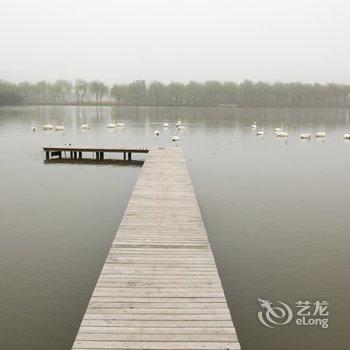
(124, 155)
(80, 155)
(60, 155)
(97, 155)
(129, 156)
(101, 155)
(47, 155)
(71, 154)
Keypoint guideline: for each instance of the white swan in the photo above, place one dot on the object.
(260, 132)
(176, 138)
(120, 124)
(253, 126)
(33, 128)
(47, 127)
(165, 125)
(179, 122)
(279, 129)
(60, 127)
(112, 125)
(346, 136)
(181, 127)
(281, 133)
(85, 127)
(305, 135)
(156, 132)
(321, 133)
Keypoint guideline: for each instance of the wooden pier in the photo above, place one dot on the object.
(78, 152)
(159, 287)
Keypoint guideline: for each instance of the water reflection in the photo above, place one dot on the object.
(276, 211)
(100, 162)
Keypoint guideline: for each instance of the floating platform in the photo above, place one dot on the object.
(159, 287)
(74, 152)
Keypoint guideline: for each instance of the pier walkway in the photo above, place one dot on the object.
(159, 287)
(78, 152)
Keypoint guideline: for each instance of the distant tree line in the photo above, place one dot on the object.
(209, 93)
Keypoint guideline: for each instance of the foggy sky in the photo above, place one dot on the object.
(121, 41)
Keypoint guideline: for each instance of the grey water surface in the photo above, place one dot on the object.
(276, 212)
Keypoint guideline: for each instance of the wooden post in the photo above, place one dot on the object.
(75, 154)
(101, 155)
(47, 155)
(97, 155)
(80, 155)
(71, 154)
(60, 155)
(124, 154)
(129, 156)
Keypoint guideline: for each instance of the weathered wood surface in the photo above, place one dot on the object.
(159, 287)
(119, 149)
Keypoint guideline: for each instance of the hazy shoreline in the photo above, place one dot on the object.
(112, 104)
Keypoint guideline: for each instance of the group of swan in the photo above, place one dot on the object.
(280, 132)
(307, 135)
(60, 127)
(114, 124)
(179, 127)
(51, 127)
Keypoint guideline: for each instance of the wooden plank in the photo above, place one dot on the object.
(156, 345)
(99, 335)
(159, 287)
(118, 149)
(153, 330)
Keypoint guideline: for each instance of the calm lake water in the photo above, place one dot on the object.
(276, 212)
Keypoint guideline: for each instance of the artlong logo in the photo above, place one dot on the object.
(272, 316)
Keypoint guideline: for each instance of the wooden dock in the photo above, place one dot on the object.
(159, 287)
(78, 152)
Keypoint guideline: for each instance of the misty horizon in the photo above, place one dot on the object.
(299, 41)
(148, 82)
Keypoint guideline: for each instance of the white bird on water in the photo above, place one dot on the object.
(321, 133)
(33, 128)
(181, 127)
(282, 133)
(305, 135)
(85, 127)
(346, 136)
(47, 127)
(156, 132)
(253, 126)
(260, 132)
(165, 125)
(176, 138)
(120, 124)
(179, 123)
(60, 127)
(279, 129)
(112, 125)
